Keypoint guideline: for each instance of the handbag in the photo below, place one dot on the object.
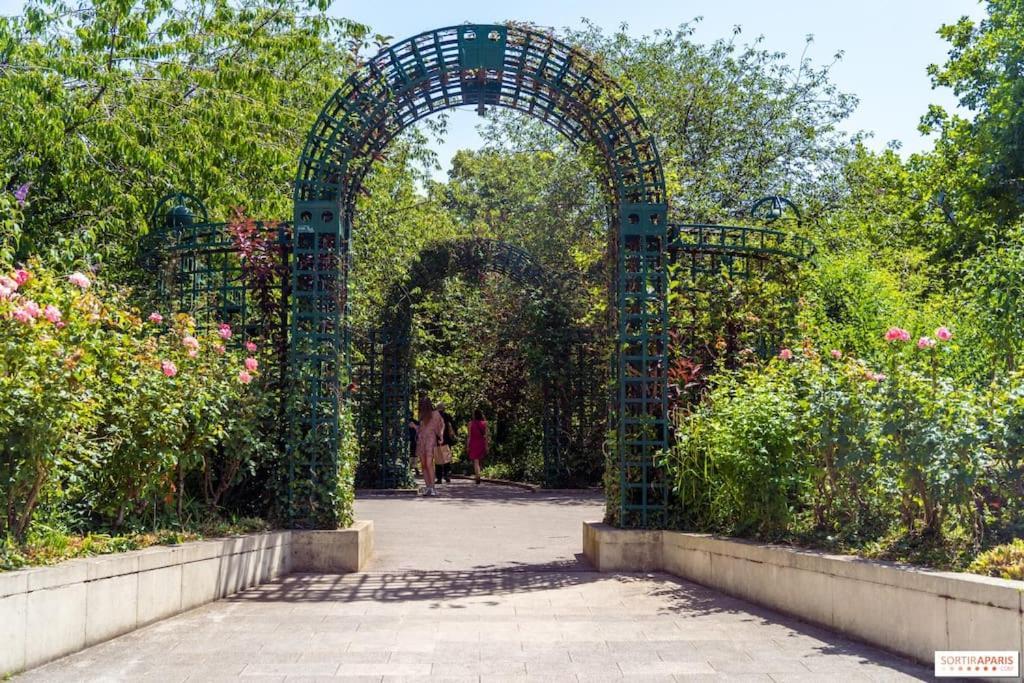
(442, 455)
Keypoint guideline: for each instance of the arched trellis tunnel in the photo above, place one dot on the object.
(478, 65)
(197, 267)
(481, 65)
(573, 411)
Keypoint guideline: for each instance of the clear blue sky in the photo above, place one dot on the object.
(887, 43)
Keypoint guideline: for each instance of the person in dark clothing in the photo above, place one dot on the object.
(414, 428)
(444, 463)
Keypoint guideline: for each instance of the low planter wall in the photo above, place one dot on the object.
(330, 552)
(49, 612)
(903, 609)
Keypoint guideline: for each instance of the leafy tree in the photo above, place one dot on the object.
(733, 122)
(109, 105)
(982, 158)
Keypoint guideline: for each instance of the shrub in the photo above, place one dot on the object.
(818, 444)
(1003, 561)
(1000, 496)
(736, 464)
(842, 437)
(113, 409)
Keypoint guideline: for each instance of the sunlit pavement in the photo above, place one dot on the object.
(480, 584)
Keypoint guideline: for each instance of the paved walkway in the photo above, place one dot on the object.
(470, 527)
(481, 585)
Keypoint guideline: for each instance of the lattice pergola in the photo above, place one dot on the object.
(480, 66)
(382, 374)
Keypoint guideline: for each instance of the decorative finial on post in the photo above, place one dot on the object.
(776, 206)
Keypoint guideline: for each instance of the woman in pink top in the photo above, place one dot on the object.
(477, 446)
(428, 437)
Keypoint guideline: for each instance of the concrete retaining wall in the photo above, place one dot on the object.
(328, 552)
(902, 609)
(49, 612)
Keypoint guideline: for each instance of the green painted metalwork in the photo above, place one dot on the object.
(384, 373)
(704, 259)
(196, 263)
(739, 250)
(771, 208)
(484, 65)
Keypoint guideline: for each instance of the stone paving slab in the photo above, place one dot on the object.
(480, 585)
(446, 626)
(480, 527)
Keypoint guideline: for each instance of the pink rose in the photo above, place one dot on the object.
(925, 343)
(250, 347)
(190, 343)
(244, 377)
(874, 376)
(943, 334)
(251, 364)
(219, 349)
(52, 313)
(79, 279)
(155, 317)
(224, 330)
(21, 276)
(8, 283)
(32, 308)
(786, 354)
(837, 354)
(22, 315)
(897, 334)
(5, 293)
(168, 368)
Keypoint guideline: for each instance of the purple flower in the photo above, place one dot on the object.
(22, 193)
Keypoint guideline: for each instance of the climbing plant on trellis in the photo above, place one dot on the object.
(572, 413)
(480, 66)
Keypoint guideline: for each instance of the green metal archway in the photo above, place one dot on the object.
(478, 65)
(572, 413)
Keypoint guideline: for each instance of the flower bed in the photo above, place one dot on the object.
(899, 459)
(113, 419)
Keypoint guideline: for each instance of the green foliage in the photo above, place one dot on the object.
(106, 412)
(851, 295)
(982, 158)
(1002, 495)
(734, 122)
(825, 446)
(46, 545)
(1004, 561)
(736, 465)
(995, 293)
(348, 459)
(934, 437)
(109, 105)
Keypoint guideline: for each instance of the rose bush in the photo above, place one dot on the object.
(117, 414)
(820, 444)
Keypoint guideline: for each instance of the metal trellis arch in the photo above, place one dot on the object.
(382, 376)
(479, 65)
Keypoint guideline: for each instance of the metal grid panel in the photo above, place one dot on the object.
(531, 72)
(707, 257)
(391, 357)
(197, 267)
